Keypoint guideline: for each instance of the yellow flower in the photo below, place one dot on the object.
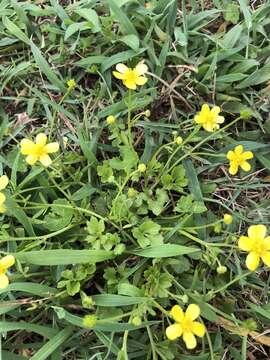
(5, 263)
(209, 119)
(71, 84)
(110, 119)
(257, 245)
(227, 218)
(185, 325)
(131, 77)
(39, 150)
(3, 184)
(238, 158)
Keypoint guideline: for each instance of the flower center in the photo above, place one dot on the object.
(187, 325)
(239, 159)
(131, 75)
(40, 150)
(259, 247)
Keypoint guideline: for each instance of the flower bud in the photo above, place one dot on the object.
(142, 168)
(132, 192)
(136, 321)
(90, 321)
(178, 140)
(110, 120)
(147, 113)
(221, 269)
(227, 218)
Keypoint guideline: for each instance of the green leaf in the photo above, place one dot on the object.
(164, 250)
(63, 257)
(45, 331)
(257, 77)
(31, 288)
(110, 300)
(58, 217)
(132, 41)
(231, 13)
(126, 25)
(46, 350)
(148, 233)
(91, 16)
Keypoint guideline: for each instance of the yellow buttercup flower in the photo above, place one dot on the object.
(71, 84)
(238, 157)
(3, 184)
(257, 245)
(209, 119)
(5, 263)
(131, 77)
(39, 150)
(185, 325)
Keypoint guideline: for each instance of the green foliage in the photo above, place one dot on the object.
(148, 233)
(103, 250)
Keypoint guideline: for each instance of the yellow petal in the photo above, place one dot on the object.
(198, 328)
(52, 147)
(266, 242)
(27, 147)
(245, 166)
(252, 261)
(3, 281)
(266, 258)
(122, 68)
(45, 160)
(238, 149)
(31, 159)
(3, 209)
(118, 75)
(141, 69)
(220, 119)
(141, 80)
(173, 331)
(189, 340)
(245, 243)
(198, 119)
(3, 182)
(2, 198)
(7, 261)
(215, 110)
(208, 126)
(257, 232)
(177, 313)
(247, 155)
(41, 139)
(130, 84)
(233, 168)
(230, 155)
(193, 311)
(205, 109)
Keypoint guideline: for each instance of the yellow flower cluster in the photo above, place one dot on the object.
(5, 263)
(185, 325)
(39, 150)
(3, 185)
